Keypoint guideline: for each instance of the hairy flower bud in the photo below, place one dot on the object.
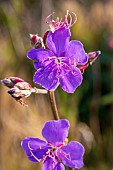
(36, 41)
(11, 81)
(20, 89)
(92, 56)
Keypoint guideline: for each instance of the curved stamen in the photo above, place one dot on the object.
(58, 23)
(70, 21)
(46, 20)
(66, 16)
(74, 21)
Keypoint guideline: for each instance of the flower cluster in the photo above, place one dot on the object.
(20, 89)
(53, 152)
(58, 60)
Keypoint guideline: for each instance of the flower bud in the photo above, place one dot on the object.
(36, 41)
(11, 81)
(92, 56)
(20, 89)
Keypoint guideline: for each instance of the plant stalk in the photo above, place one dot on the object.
(53, 105)
(54, 109)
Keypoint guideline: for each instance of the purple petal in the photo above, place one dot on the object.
(31, 144)
(25, 147)
(75, 52)
(39, 154)
(37, 65)
(46, 76)
(71, 80)
(39, 54)
(59, 166)
(35, 143)
(48, 164)
(72, 155)
(38, 148)
(56, 131)
(58, 40)
(52, 164)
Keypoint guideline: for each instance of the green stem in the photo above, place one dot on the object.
(53, 105)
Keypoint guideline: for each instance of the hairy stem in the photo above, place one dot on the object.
(53, 105)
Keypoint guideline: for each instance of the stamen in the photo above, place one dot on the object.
(74, 19)
(58, 23)
(46, 20)
(69, 24)
(70, 19)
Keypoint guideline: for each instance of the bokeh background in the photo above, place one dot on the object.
(89, 109)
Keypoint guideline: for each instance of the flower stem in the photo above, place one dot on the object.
(53, 105)
(54, 109)
(42, 91)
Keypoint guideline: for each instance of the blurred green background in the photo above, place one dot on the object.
(89, 109)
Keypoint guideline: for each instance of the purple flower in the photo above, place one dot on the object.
(58, 63)
(54, 153)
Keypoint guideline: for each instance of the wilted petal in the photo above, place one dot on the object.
(46, 77)
(72, 155)
(75, 52)
(58, 40)
(56, 132)
(71, 80)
